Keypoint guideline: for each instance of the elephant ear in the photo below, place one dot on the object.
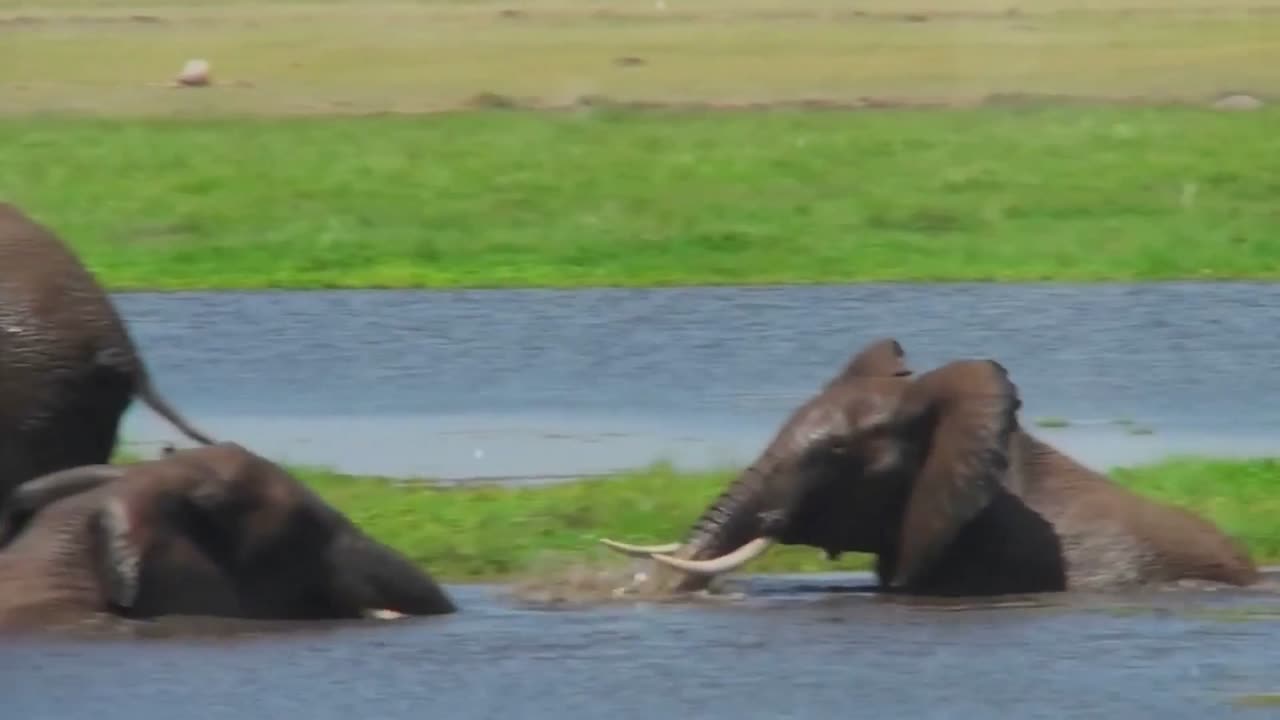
(966, 411)
(118, 542)
(882, 358)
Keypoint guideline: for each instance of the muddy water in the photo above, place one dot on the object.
(502, 383)
(791, 647)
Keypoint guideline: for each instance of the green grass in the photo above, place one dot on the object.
(300, 169)
(657, 198)
(492, 533)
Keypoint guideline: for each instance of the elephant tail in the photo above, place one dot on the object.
(148, 394)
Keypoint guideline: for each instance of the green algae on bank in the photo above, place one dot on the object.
(638, 198)
(1258, 700)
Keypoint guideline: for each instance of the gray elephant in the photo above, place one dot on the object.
(212, 531)
(68, 367)
(933, 475)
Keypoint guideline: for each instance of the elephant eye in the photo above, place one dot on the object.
(206, 527)
(831, 446)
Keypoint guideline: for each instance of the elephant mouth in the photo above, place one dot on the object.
(714, 548)
(377, 582)
(749, 518)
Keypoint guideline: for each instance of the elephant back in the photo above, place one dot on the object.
(58, 326)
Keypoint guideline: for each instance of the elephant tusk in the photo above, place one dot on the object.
(724, 563)
(383, 614)
(639, 550)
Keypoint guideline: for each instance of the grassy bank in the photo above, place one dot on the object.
(644, 198)
(494, 533)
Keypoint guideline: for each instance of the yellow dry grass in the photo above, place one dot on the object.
(284, 58)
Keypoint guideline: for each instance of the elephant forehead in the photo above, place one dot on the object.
(867, 401)
(154, 476)
(870, 407)
(849, 409)
(818, 421)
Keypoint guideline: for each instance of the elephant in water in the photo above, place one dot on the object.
(215, 531)
(933, 475)
(68, 367)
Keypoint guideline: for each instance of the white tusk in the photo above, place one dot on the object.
(640, 550)
(724, 563)
(383, 614)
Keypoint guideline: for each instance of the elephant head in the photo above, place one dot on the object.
(262, 544)
(879, 461)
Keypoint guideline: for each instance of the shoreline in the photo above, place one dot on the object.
(245, 289)
(547, 530)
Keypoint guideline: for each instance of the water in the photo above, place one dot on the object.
(534, 382)
(795, 647)
(539, 382)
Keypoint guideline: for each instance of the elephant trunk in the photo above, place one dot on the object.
(732, 530)
(752, 513)
(372, 579)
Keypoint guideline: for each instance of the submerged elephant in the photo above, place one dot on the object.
(214, 531)
(933, 475)
(68, 367)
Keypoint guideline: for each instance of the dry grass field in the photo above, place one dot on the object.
(287, 58)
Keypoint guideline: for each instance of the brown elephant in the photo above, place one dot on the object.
(933, 475)
(213, 531)
(68, 367)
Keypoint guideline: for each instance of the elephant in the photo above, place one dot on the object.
(213, 531)
(68, 366)
(934, 476)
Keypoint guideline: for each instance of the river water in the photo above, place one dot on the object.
(469, 384)
(544, 382)
(794, 647)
